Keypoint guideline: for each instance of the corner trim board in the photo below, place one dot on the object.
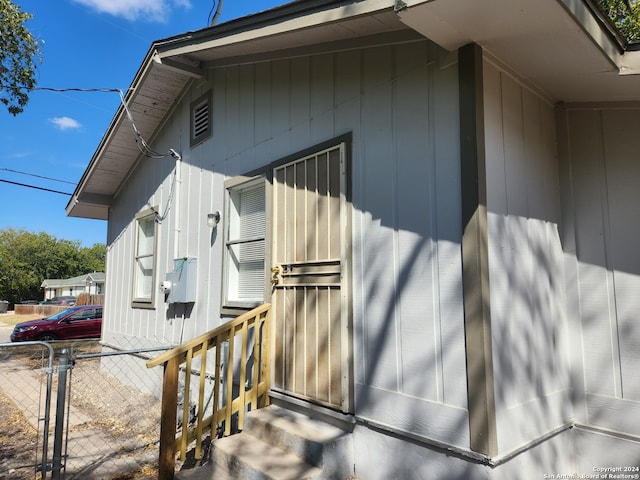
(475, 255)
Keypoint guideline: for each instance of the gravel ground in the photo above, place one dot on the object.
(123, 410)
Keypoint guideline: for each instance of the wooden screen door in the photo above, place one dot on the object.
(310, 301)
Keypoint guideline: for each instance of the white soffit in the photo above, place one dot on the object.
(541, 40)
(166, 71)
(293, 35)
(155, 92)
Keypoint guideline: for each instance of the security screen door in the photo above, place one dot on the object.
(310, 301)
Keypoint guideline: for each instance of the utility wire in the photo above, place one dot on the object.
(141, 143)
(33, 186)
(38, 176)
(143, 146)
(51, 89)
(214, 13)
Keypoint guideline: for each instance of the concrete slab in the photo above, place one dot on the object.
(248, 457)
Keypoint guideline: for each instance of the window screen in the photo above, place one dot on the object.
(245, 244)
(144, 262)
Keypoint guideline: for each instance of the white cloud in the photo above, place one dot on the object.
(65, 123)
(151, 10)
(19, 155)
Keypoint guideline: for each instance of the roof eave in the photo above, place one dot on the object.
(118, 118)
(95, 202)
(92, 197)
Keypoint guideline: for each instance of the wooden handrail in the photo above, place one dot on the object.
(181, 358)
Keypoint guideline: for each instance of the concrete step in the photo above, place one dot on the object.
(278, 444)
(209, 471)
(249, 458)
(245, 457)
(317, 443)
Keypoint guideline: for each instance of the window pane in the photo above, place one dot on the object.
(246, 217)
(252, 214)
(144, 277)
(246, 272)
(144, 261)
(146, 230)
(247, 213)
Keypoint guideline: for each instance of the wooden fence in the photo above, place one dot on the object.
(44, 310)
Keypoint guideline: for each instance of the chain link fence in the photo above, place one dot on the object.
(110, 425)
(25, 377)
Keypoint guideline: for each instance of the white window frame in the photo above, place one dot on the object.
(233, 297)
(143, 294)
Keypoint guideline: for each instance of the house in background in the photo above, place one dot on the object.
(446, 192)
(91, 283)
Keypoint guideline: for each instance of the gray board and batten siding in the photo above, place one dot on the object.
(529, 324)
(599, 153)
(512, 260)
(400, 102)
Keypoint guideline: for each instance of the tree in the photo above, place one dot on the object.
(27, 259)
(625, 15)
(93, 258)
(19, 56)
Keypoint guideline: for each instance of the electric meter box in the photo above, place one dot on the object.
(183, 281)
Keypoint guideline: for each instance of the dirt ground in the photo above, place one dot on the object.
(17, 440)
(17, 436)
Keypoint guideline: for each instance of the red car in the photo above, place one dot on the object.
(75, 322)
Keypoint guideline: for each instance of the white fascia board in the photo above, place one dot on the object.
(436, 20)
(336, 14)
(627, 62)
(432, 25)
(181, 68)
(630, 63)
(594, 29)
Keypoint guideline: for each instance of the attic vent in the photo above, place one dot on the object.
(201, 119)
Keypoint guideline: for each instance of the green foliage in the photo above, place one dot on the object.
(27, 259)
(19, 54)
(625, 15)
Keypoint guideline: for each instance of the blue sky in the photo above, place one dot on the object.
(87, 44)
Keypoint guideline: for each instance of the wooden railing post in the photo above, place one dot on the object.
(257, 395)
(265, 366)
(168, 422)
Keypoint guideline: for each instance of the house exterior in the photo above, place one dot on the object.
(439, 200)
(91, 283)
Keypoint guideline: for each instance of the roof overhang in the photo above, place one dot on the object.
(151, 96)
(563, 47)
(172, 63)
(560, 46)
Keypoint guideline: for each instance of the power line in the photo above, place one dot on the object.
(33, 186)
(141, 143)
(38, 176)
(51, 89)
(214, 13)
